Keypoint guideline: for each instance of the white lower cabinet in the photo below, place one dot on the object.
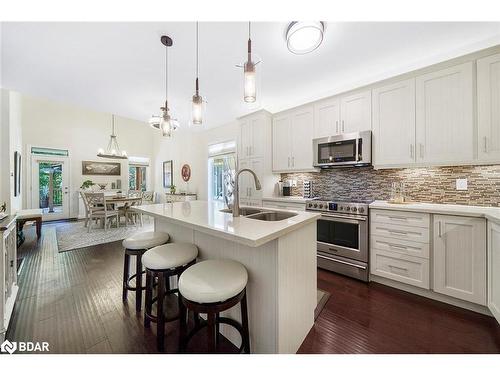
(284, 205)
(8, 275)
(494, 269)
(407, 269)
(459, 249)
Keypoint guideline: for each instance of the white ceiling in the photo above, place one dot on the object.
(119, 67)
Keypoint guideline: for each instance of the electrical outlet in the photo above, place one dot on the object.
(461, 184)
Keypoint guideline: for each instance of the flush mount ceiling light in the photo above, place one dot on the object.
(304, 37)
(166, 124)
(113, 150)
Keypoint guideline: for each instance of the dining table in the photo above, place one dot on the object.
(126, 201)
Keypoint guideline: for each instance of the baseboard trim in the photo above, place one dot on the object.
(431, 295)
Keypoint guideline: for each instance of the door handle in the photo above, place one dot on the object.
(289, 162)
(421, 150)
(411, 151)
(485, 139)
(341, 261)
(440, 233)
(343, 128)
(337, 126)
(293, 161)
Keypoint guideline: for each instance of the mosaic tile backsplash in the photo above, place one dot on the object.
(432, 185)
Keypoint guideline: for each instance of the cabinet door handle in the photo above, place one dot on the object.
(293, 161)
(343, 128)
(249, 192)
(440, 233)
(289, 162)
(485, 139)
(250, 150)
(421, 150)
(411, 151)
(337, 126)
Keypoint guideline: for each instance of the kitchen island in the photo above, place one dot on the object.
(280, 257)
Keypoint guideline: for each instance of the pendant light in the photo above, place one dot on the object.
(250, 89)
(167, 124)
(113, 150)
(197, 107)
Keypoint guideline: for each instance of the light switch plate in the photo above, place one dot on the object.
(461, 184)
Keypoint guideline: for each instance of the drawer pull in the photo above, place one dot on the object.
(398, 268)
(393, 231)
(398, 218)
(398, 246)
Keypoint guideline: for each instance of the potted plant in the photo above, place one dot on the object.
(172, 189)
(87, 184)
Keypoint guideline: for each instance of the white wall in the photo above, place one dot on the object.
(52, 124)
(191, 148)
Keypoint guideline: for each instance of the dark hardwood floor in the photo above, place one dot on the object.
(373, 318)
(73, 301)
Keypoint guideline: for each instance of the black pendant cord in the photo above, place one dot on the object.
(166, 78)
(249, 43)
(197, 64)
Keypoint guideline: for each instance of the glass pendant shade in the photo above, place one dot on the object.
(166, 124)
(250, 91)
(197, 109)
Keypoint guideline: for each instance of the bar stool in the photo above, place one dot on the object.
(211, 287)
(136, 245)
(161, 262)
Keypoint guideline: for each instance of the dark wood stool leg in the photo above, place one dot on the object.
(38, 227)
(126, 264)
(160, 325)
(217, 328)
(196, 319)
(138, 282)
(149, 297)
(211, 332)
(244, 323)
(183, 326)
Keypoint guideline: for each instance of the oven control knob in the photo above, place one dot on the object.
(341, 208)
(310, 205)
(348, 208)
(354, 209)
(315, 205)
(361, 210)
(320, 205)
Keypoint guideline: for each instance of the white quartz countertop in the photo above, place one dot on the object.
(206, 217)
(490, 213)
(290, 199)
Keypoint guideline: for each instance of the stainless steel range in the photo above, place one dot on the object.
(342, 240)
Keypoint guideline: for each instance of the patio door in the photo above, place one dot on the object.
(50, 186)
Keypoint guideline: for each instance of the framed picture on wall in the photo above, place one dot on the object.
(99, 168)
(168, 175)
(17, 174)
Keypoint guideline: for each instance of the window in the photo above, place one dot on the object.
(221, 170)
(137, 173)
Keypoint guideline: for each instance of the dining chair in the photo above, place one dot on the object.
(148, 197)
(86, 206)
(98, 209)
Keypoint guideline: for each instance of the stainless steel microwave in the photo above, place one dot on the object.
(350, 149)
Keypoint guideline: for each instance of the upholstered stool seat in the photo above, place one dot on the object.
(145, 240)
(170, 255)
(211, 287)
(213, 281)
(163, 262)
(136, 245)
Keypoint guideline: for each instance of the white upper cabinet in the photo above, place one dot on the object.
(255, 131)
(394, 124)
(460, 257)
(301, 126)
(327, 117)
(444, 116)
(282, 142)
(494, 269)
(356, 112)
(488, 108)
(292, 140)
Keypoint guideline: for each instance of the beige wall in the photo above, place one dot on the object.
(51, 124)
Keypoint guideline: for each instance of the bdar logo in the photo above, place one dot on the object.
(8, 347)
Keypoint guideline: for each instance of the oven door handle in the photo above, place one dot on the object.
(341, 261)
(343, 218)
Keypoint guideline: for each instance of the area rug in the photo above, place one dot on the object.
(73, 235)
(322, 299)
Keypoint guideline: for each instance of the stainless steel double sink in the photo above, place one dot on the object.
(262, 214)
